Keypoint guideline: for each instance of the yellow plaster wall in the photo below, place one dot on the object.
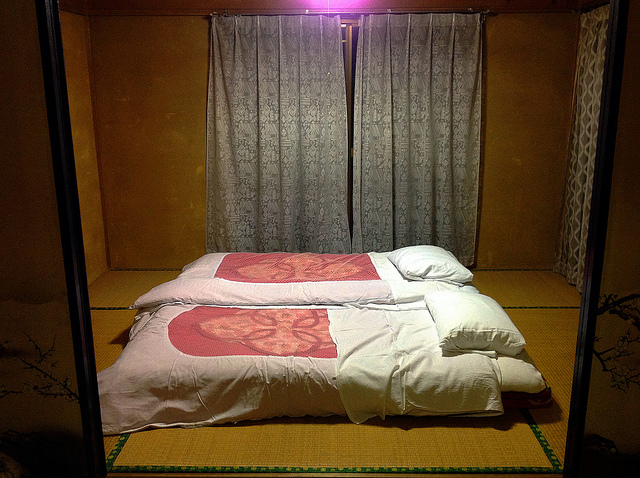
(31, 272)
(151, 89)
(75, 39)
(528, 93)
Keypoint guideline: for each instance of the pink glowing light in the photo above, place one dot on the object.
(335, 6)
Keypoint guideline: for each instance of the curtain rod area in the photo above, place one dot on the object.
(347, 12)
(349, 17)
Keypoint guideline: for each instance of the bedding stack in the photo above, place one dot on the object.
(244, 336)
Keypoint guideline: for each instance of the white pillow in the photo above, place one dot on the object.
(519, 374)
(467, 321)
(429, 263)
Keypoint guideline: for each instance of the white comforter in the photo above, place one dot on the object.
(389, 362)
(153, 384)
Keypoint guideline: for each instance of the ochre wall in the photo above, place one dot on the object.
(75, 31)
(29, 273)
(151, 90)
(528, 94)
(150, 109)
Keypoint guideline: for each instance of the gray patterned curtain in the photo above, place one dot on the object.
(417, 132)
(571, 253)
(277, 135)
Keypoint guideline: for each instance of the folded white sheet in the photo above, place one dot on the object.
(519, 374)
(390, 363)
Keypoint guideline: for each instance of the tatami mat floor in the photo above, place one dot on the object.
(542, 305)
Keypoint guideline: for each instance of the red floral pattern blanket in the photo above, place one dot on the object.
(301, 267)
(224, 331)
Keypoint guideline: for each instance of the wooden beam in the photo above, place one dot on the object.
(283, 7)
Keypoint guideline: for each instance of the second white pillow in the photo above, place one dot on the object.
(466, 321)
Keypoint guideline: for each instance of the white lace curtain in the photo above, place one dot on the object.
(277, 135)
(571, 253)
(417, 132)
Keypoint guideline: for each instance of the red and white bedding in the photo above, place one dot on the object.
(252, 336)
(291, 279)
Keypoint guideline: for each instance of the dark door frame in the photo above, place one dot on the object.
(48, 16)
(598, 218)
(55, 86)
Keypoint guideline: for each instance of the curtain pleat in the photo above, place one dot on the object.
(277, 135)
(417, 132)
(572, 245)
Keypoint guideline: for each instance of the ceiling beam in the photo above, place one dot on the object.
(284, 7)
